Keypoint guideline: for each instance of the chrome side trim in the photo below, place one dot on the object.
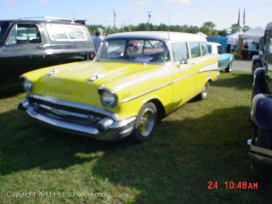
(255, 152)
(76, 105)
(167, 84)
(137, 96)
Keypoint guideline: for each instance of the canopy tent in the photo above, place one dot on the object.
(233, 39)
(254, 33)
(201, 34)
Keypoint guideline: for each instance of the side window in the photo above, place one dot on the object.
(267, 42)
(12, 36)
(204, 48)
(180, 51)
(210, 49)
(195, 49)
(220, 50)
(24, 33)
(65, 33)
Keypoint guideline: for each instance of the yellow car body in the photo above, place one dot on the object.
(122, 92)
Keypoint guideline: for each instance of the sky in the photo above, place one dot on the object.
(223, 13)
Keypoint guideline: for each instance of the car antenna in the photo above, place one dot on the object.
(169, 26)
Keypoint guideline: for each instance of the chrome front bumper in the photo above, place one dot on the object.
(259, 153)
(77, 118)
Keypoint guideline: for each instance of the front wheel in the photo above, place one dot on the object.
(229, 68)
(261, 138)
(145, 123)
(204, 92)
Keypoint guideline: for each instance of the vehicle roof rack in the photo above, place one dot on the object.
(49, 18)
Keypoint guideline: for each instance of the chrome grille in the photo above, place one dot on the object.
(64, 112)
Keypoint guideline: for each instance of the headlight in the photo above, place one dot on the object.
(108, 98)
(27, 85)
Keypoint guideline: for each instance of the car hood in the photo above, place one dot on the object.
(80, 81)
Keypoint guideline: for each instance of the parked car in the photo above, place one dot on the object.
(136, 79)
(32, 43)
(257, 59)
(225, 59)
(261, 112)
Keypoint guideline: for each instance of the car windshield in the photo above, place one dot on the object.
(268, 41)
(3, 29)
(133, 50)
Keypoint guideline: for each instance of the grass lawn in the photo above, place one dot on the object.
(202, 145)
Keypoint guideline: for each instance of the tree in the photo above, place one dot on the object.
(209, 25)
(223, 32)
(246, 28)
(208, 28)
(235, 28)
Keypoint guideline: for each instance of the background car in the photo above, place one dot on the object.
(32, 43)
(225, 59)
(261, 112)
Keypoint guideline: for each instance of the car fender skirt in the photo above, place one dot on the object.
(262, 111)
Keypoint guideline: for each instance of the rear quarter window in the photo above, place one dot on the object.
(65, 33)
(204, 48)
(195, 49)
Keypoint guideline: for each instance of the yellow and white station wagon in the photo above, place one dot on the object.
(136, 79)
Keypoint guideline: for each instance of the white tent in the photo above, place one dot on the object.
(233, 38)
(254, 34)
(201, 34)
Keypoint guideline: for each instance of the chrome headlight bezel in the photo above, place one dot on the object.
(108, 98)
(27, 84)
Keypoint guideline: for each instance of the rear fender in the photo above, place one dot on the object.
(261, 113)
(259, 82)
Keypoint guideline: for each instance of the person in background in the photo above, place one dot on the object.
(98, 38)
(246, 46)
(252, 49)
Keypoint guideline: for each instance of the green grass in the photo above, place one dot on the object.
(200, 142)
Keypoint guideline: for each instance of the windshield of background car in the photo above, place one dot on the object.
(268, 41)
(3, 29)
(268, 49)
(133, 50)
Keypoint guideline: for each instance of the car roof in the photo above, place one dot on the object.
(45, 19)
(159, 35)
(268, 26)
(213, 43)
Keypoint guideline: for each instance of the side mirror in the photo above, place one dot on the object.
(183, 61)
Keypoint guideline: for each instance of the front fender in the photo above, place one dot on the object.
(261, 113)
(259, 82)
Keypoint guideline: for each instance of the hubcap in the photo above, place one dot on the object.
(146, 122)
(204, 91)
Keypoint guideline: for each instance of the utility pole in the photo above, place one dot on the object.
(114, 16)
(149, 16)
(129, 24)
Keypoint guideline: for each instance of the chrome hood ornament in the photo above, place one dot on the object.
(95, 76)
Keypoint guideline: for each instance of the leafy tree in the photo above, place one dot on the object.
(235, 28)
(246, 28)
(223, 32)
(207, 28)
(209, 25)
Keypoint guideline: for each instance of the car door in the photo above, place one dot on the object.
(22, 50)
(3, 65)
(183, 72)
